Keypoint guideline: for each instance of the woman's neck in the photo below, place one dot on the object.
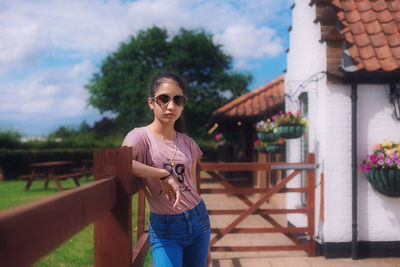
(164, 131)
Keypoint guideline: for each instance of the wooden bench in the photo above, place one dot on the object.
(52, 171)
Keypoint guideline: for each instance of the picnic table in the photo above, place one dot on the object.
(52, 171)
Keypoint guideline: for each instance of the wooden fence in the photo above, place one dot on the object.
(265, 194)
(32, 230)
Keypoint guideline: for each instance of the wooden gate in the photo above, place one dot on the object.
(265, 194)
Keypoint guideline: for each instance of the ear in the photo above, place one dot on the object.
(150, 102)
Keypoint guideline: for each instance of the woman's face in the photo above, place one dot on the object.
(163, 103)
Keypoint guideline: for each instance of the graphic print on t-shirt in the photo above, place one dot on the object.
(179, 170)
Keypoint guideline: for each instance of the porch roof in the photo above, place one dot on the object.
(370, 31)
(254, 105)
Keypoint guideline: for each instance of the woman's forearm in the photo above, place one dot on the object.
(142, 170)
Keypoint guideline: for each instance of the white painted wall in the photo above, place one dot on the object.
(305, 59)
(379, 216)
(330, 139)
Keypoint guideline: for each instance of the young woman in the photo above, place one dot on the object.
(165, 159)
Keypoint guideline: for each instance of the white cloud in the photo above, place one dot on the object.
(246, 41)
(37, 36)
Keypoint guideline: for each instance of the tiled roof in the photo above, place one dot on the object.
(254, 104)
(362, 36)
(371, 29)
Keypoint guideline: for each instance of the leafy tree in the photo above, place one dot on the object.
(122, 83)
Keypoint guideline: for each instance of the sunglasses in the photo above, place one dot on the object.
(164, 99)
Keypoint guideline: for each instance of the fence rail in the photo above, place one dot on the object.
(32, 230)
(255, 207)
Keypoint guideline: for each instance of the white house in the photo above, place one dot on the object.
(342, 63)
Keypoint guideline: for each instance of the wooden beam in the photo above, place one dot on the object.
(30, 231)
(113, 231)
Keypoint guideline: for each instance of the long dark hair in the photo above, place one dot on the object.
(161, 78)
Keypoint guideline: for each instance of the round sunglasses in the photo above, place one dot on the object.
(164, 99)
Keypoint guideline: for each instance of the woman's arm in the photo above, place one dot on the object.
(169, 185)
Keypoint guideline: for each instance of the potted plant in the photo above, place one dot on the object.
(382, 168)
(260, 146)
(289, 125)
(272, 147)
(266, 131)
(276, 147)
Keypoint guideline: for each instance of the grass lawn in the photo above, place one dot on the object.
(78, 250)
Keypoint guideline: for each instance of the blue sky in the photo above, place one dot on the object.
(50, 49)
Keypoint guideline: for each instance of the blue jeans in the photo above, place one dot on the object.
(181, 239)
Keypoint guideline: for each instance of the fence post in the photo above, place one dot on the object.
(113, 232)
(311, 205)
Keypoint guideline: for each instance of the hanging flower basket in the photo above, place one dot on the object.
(274, 148)
(386, 181)
(291, 131)
(270, 136)
(382, 168)
(289, 125)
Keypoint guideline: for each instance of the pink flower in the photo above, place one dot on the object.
(257, 142)
(375, 146)
(280, 142)
(389, 161)
(218, 136)
(381, 156)
(289, 114)
(381, 162)
(281, 112)
(298, 112)
(398, 161)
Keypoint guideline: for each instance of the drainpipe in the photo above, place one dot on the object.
(354, 242)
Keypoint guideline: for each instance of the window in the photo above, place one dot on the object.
(303, 98)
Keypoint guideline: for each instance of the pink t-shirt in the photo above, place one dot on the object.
(152, 151)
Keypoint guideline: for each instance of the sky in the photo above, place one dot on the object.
(49, 49)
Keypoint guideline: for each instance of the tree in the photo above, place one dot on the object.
(122, 84)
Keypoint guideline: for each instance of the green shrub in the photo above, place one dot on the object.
(9, 139)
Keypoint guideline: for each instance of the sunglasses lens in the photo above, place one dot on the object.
(162, 99)
(180, 100)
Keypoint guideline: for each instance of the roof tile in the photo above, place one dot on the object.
(383, 52)
(349, 38)
(396, 52)
(393, 5)
(363, 5)
(378, 5)
(389, 28)
(367, 52)
(352, 16)
(361, 39)
(396, 16)
(388, 64)
(373, 27)
(357, 28)
(348, 5)
(372, 64)
(368, 16)
(384, 16)
(354, 51)
(378, 39)
(394, 39)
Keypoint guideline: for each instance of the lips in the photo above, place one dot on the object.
(170, 115)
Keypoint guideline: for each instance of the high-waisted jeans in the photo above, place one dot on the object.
(181, 239)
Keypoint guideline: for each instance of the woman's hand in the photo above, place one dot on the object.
(171, 189)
